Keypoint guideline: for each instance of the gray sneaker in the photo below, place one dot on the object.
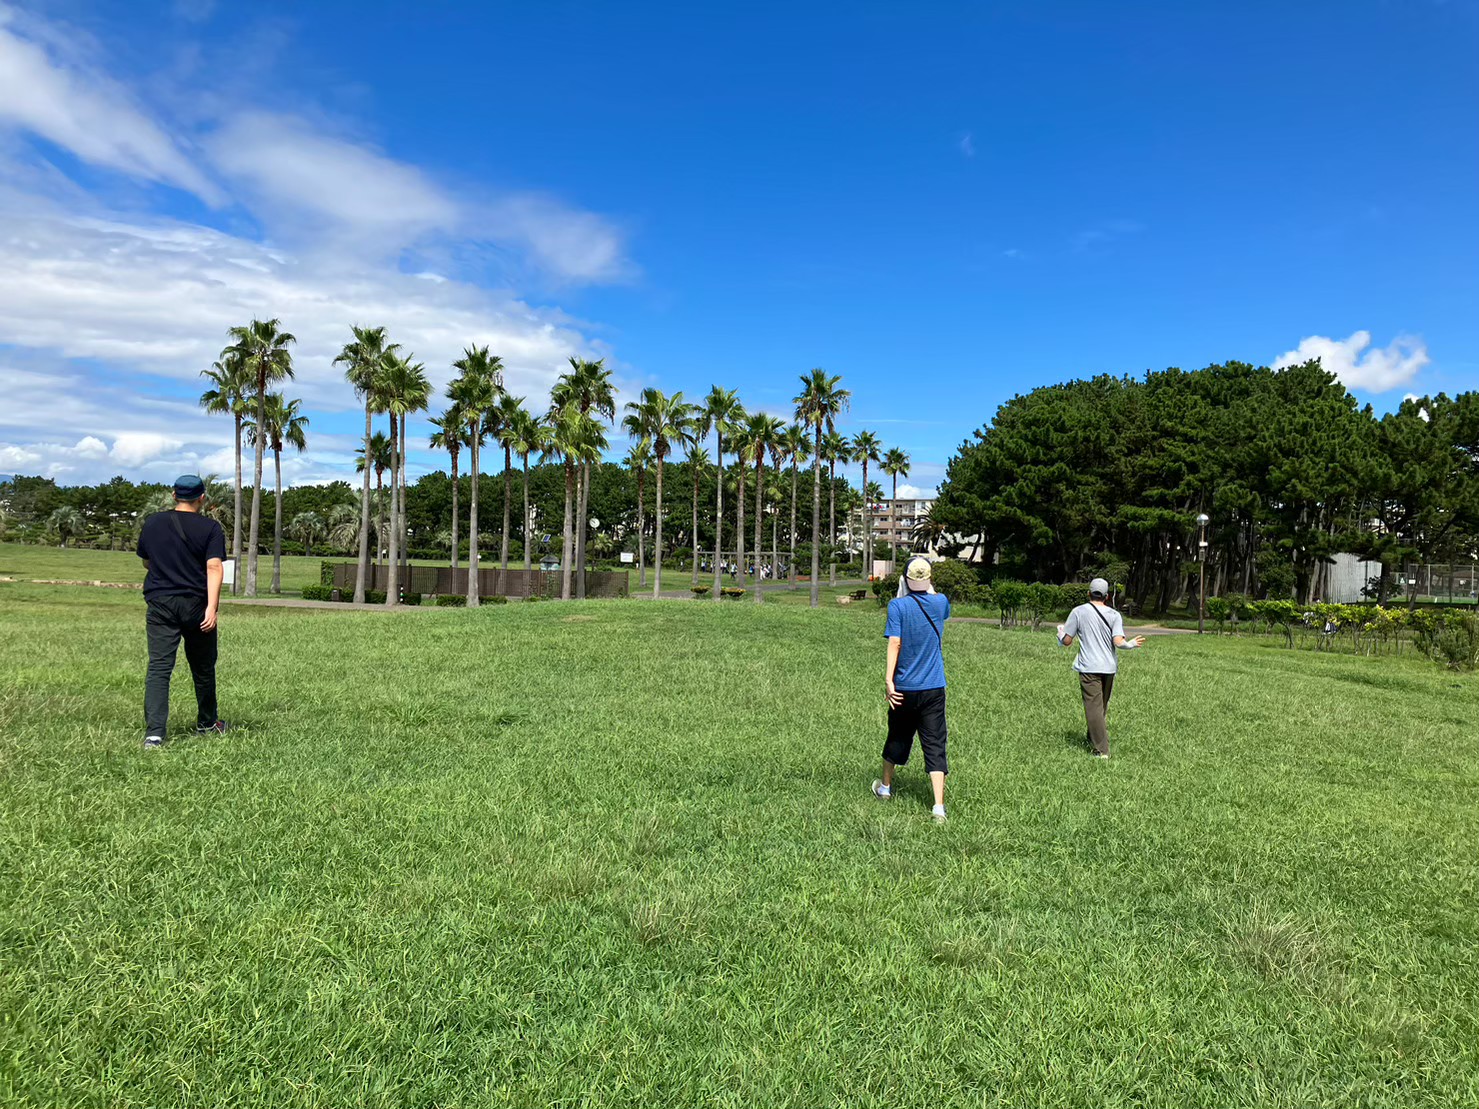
(881, 791)
(153, 742)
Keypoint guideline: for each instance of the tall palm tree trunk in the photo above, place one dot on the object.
(393, 569)
(277, 520)
(657, 536)
(405, 530)
(256, 534)
(362, 567)
(528, 527)
(832, 522)
(379, 517)
(236, 575)
(791, 559)
(508, 493)
(775, 543)
(816, 523)
(694, 544)
(567, 548)
(739, 527)
(456, 543)
(642, 529)
(582, 500)
(718, 516)
(867, 528)
(759, 519)
(472, 531)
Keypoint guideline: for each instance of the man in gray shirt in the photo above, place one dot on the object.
(1099, 631)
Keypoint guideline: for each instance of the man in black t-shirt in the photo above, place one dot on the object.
(184, 553)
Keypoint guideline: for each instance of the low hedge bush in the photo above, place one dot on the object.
(318, 593)
(701, 590)
(731, 592)
(451, 600)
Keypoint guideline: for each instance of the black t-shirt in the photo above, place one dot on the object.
(177, 565)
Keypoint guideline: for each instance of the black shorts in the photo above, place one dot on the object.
(923, 711)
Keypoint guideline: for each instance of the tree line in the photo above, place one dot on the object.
(1108, 476)
(570, 436)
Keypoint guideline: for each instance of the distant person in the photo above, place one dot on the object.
(1100, 631)
(184, 553)
(914, 681)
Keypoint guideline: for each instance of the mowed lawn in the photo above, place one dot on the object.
(625, 854)
(27, 562)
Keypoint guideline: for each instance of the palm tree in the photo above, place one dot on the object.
(501, 421)
(529, 437)
(263, 349)
(230, 393)
(866, 448)
(927, 531)
(575, 438)
(761, 434)
(895, 465)
(588, 389)
(341, 529)
(699, 463)
(407, 390)
(379, 462)
(838, 449)
(67, 522)
(639, 460)
(818, 405)
(664, 421)
(474, 391)
(364, 362)
(721, 411)
(798, 450)
(450, 432)
(285, 426)
(774, 494)
(305, 527)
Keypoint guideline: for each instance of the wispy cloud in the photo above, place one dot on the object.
(1374, 370)
(1105, 234)
(966, 144)
(89, 115)
(110, 314)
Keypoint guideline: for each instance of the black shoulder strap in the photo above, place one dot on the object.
(1104, 620)
(174, 518)
(927, 616)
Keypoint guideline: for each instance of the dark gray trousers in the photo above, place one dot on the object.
(1096, 690)
(171, 619)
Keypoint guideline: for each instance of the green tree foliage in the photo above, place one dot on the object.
(1069, 478)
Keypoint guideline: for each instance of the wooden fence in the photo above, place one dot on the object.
(492, 581)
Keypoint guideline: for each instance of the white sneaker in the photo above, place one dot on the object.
(153, 743)
(881, 791)
(938, 813)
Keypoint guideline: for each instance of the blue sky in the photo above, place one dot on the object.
(945, 203)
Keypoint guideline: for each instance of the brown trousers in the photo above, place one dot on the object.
(1096, 689)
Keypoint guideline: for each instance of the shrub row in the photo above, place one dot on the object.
(1448, 636)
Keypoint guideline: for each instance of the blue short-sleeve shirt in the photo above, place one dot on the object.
(921, 661)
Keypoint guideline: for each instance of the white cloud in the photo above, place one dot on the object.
(966, 144)
(90, 446)
(135, 448)
(1373, 370)
(917, 492)
(87, 114)
(284, 162)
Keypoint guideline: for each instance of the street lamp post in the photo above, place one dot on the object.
(1202, 521)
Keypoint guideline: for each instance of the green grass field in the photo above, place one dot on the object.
(625, 854)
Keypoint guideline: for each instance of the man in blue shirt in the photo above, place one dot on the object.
(914, 681)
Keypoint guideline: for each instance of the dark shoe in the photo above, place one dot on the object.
(153, 742)
(211, 729)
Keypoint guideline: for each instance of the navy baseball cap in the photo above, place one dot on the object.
(189, 487)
